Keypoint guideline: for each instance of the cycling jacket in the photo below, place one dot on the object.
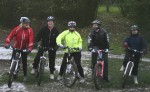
(23, 38)
(135, 42)
(69, 39)
(98, 38)
(47, 37)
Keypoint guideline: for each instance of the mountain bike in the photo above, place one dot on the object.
(14, 66)
(98, 69)
(70, 72)
(41, 66)
(129, 66)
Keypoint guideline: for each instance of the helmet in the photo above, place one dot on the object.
(134, 27)
(50, 18)
(24, 20)
(72, 24)
(96, 22)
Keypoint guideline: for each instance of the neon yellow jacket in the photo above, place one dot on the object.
(69, 39)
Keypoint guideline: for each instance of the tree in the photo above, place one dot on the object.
(82, 11)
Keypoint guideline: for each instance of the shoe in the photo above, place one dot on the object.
(135, 80)
(51, 76)
(33, 71)
(59, 77)
(82, 80)
(24, 79)
(122, 68)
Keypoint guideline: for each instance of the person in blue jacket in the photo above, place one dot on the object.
(137, 42)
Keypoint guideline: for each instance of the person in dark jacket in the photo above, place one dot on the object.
(98, 39)
(47, 35)
(136, 42)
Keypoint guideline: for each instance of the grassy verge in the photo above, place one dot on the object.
(114, 73)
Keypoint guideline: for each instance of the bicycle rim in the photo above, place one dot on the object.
(97, 79)
(40, 72)
(125, 77)
(70, 77)
(11, 75)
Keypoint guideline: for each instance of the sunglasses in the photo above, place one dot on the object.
(72, 27)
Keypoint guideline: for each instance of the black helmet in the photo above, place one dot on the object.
(72, 24)
(96, 22)
(24, 20)
(50, 18)
(134, 27)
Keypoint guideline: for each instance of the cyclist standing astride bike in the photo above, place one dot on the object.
(47, 35)
(98, 39)
(23, 39)
(134, 41)
(72, 39)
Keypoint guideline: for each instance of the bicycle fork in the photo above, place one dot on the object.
(132, 65)
(100, 73)
(16, 67)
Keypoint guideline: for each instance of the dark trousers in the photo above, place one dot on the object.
(51, 55)
(105, 57)
(77, 57)
(24, 61)
(136, 61)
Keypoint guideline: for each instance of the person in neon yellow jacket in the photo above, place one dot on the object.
(72, 39)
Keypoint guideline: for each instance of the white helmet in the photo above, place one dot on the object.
(72, 24)
(24, 20)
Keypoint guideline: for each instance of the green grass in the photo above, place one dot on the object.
(114, 74)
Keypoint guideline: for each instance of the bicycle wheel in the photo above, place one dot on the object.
(97, 77)
(125, 77)
(11, 75)
(70, 74)
(41, 71)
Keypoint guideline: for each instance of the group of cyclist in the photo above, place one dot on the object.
(50, 37)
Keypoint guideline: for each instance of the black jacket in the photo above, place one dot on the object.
(47, 37)
(98, 38)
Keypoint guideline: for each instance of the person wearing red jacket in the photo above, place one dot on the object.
(23, 39)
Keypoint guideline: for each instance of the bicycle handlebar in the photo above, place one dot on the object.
(135, 51)
(12, 48)
(101, 50)
(45, 48)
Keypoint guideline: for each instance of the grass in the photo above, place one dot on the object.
(114, 73)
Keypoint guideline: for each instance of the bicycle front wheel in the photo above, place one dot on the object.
(11, 74)
(41, 71)
(97, 76)
(126, 75)
(70, 74)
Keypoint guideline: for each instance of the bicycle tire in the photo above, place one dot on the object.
(97, 78)
(71, 76)
(125, 77)
(11, 75)
(41, 71)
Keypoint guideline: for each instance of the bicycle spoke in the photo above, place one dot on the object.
(70, 75)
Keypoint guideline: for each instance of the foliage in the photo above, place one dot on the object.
(82, 11)
(139, 12)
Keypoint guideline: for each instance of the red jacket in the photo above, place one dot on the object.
(23, 38)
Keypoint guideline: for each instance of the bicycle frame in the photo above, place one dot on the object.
(100, 62)
(131, 59)
(16, 59)
(127, 67)
(130, 65)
